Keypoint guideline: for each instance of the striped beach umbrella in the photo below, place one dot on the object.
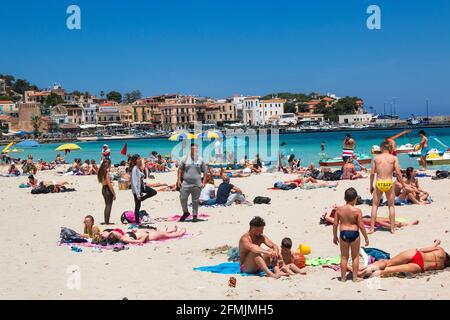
(210, 134)
(179, 136)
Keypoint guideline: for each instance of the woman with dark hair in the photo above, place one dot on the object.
(413, 182)
(140, 190)
(112, 236)
(107, 189)
(412, 261)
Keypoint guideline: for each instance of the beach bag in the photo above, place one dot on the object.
(128, 217)
(69, 236)
(377, 254)
(442, 174)
(261, 200)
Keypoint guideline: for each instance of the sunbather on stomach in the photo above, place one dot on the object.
(140, 235)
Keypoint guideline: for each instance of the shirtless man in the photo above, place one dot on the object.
(424, 149)
(349, 220)
(384, 166)
(348, 147)
(253, 258)
(412, 260)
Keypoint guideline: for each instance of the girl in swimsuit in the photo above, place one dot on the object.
(412, 261)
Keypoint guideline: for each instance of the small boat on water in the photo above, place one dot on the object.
(405, 148)
(436, 159)
(338, 162)
(417, 154)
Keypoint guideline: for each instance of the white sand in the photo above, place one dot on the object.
(34, 267)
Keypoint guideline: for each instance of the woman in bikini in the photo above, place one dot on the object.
(90, 230)
(349, 171)
(141, 235)
(412, 261)
(310, 183)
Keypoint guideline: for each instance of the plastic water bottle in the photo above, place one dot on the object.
(76, 249)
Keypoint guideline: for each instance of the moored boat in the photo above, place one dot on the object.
(338, 162)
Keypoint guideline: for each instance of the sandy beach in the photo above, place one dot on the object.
(35, 267)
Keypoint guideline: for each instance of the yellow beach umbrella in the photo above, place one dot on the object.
(181, 136)
(68, 146)
(7, 147)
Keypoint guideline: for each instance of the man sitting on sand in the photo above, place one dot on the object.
(412, 261)
(349, 220)
(253, 258)
(227, 193)
(384, 166)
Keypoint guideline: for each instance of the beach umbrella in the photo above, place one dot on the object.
(68, 146)
(210, 134)
(27, 144)
(23, 133)
(181, 136)
(7, 147)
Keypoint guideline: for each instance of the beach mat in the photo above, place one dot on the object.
(228, 268)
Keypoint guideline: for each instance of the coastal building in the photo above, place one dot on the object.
(126, 114)
(26, 113)
(238, 103)
(306, 117)
(221, 112)
(32, 96)
(355, 118)
(7, 106)
(108, 114)
(75, 113)
(270, 109)
(251, 115)
(58, 115)
(90, 113)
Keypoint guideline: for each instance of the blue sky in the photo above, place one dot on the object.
(219, 48)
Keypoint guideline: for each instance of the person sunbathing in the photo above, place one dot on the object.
(140, 235)
(411, 261)
(13, 170)
(380, 222)
(420, 195)
(349, 171)
(217, 173)
(311, 183)
(60, 160)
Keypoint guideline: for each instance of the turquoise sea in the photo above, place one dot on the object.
(305, 146)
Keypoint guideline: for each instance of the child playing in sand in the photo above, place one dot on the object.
(349, 220)
(289, 263)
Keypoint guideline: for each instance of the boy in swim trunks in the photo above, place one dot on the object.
(424, 149)
(384, 166)
(349, 220)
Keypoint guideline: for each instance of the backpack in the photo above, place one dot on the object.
(128, 217)
(442, 174)
(377, 254)
(69, 236)
(261, 200)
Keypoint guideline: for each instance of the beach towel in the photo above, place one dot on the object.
(177, 217)
(24, 185)
(228, 268)
(316, 262)
(377, 253)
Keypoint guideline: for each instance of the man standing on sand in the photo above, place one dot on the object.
(190, 182)
(253, 258)
(424, 149)
(384, 166)
(348, 147)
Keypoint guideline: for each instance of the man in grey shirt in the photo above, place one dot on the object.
(190, 181)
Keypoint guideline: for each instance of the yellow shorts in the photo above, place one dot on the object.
(384, 185)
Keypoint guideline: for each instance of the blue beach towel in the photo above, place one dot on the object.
(228, 268)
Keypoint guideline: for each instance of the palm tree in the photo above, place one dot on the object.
(36, 122)
(102, 94)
